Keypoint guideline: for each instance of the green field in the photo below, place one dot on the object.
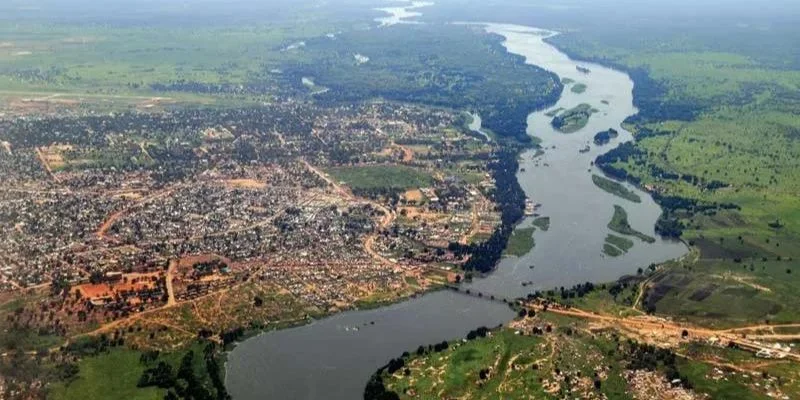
(381, 177)
(117, 374)
(619, 223)
(720, 293)
(507, 365)
(615, 188)
(107, 376)
(717, 125)
(521, 242)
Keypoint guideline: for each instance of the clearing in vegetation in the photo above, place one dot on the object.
(382, 177)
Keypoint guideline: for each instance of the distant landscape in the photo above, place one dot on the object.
(184, 176)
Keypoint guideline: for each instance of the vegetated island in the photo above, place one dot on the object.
(542, 223)
(579, 88)
(615, 188)
(521, 242)
(619, 223)
(574, 119)
(567, 81)
(616, 246)
(603, 137)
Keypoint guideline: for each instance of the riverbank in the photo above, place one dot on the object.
(567, 195)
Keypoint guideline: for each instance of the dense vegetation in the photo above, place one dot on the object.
(452, 66)
(510, 198)
(602, 138)
(716, 144)
(574, 119)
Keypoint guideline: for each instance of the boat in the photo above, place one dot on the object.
(530, 207)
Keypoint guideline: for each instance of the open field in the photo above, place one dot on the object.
(130, 374)
(382, 177)
(721, 293)
(716, 142)
(548, 356)
(106, 376)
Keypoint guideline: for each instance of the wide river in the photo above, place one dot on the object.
(334, 357)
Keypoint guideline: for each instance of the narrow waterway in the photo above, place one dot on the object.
(402, 14)
(333, 358)
(560, 180)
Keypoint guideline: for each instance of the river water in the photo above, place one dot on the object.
(331, 359)
(402, 14)
(561, 181)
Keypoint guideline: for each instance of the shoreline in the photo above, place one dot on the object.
(511, 148)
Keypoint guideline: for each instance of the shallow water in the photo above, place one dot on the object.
(330, 359)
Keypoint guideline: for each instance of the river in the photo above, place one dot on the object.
(330, 359)
(402, 14)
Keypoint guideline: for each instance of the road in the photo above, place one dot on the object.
(650, 326)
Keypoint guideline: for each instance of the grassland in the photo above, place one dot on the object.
(719, 293)
(461, 367)
(615, 188)
(521, 242)
(117, 373)
(563, 361)
(574, 119)
(107, 376)
(716, 126)
(619, 223)
(381, 177)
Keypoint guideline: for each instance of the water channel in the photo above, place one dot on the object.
(334, 357)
